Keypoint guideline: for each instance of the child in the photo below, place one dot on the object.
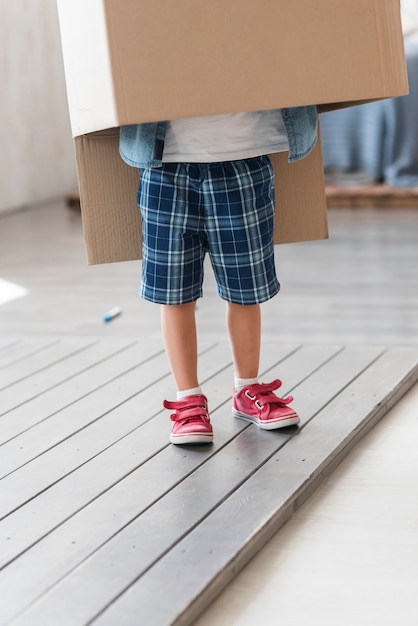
(207, 185)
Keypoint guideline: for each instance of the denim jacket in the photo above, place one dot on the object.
(142, 145)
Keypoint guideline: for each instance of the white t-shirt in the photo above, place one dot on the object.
(225, 137)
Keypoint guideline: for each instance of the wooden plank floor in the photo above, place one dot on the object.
(99, 513)
(103, 521)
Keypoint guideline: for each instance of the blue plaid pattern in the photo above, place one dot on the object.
(225, 209)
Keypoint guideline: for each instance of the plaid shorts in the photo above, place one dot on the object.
(225, 209)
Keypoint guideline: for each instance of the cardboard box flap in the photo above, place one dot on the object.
(108, 190)
(301, 206)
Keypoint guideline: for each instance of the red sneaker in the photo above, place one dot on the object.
(258, 404)
(191, 423)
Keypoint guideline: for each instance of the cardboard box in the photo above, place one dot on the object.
(131, 61)
(111, 219)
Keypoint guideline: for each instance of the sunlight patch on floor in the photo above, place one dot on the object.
(10, 291)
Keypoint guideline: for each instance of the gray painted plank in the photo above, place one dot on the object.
(17, 350)
(26, 525)
(111, 365)
(36, 370)
(200, 566)
(114, 411)
(227, 469)
(75, 431)
(23, 522)
(32, 478)
(40, 382)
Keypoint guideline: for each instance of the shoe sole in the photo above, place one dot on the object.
(191, 439)
(291, 420)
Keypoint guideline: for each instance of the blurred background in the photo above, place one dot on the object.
(36, 156)
(378, 142)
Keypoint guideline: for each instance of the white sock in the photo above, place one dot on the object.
(239, 383)
(196, 391)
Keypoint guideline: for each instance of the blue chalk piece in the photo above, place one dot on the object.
(110, 315)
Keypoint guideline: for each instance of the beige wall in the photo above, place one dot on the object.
(36, 150)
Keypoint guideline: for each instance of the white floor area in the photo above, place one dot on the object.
(349, 556)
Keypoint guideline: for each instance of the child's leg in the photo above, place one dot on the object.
(244, 328)
(253, 401)
(172, 274)
(179, 333)
(191, 423)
